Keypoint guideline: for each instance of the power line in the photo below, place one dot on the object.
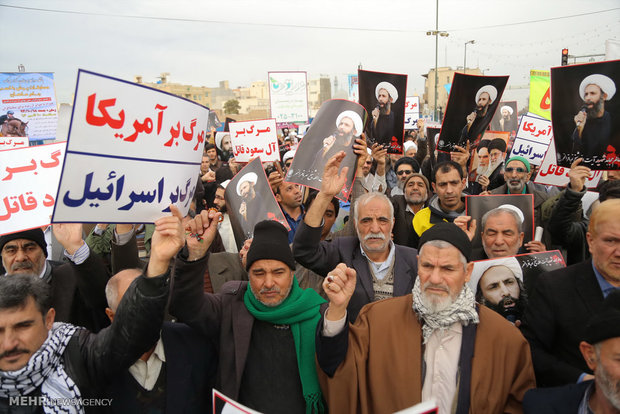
(288, 25)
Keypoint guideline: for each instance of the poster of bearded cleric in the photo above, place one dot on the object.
(503, 284)
(506, 118)
(250, 200)
(472, 102)
(516, 209)
(585, 114)
(335, 127)
(383, 95)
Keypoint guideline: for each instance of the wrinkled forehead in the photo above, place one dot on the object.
(21, 243)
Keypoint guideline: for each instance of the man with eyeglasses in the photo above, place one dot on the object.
(517, 175)
(403, 168)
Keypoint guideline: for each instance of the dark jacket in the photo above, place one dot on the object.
(568, 227)
(559, 308)
(403, 223)
(321, 257)
(555, 400)
(94, 360)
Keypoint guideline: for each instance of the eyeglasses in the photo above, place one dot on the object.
(518, 169)
(401, 172)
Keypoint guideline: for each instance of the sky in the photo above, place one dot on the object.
(203, 42)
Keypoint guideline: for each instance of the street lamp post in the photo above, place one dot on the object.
(436, 33)
(471, 42)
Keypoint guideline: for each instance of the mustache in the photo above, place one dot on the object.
(374, 236)
(22, 265)
(13, 352)
(430, 285)
(274, 289)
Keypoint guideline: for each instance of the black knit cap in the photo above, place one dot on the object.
(36, 235)
(450, 233)
(606, 323)
(270, 242)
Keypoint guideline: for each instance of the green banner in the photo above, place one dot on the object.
(540, 96)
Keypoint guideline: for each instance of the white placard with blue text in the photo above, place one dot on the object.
(131, 152)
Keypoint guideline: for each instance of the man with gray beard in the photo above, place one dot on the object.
(417, 190)
(384, 269)
(435, 343)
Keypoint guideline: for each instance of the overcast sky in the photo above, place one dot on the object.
(203, 42)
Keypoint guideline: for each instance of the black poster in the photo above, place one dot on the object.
(250, 200)
(384, 95)
(585, 114)
(506, 118)
(335, 128)
(472, 102)
(523, 204)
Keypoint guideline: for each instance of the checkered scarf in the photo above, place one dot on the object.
(45, 369)
(463, 310)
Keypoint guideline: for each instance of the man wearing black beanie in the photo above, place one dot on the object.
(433, 343)
(265, 327)
(78, 287)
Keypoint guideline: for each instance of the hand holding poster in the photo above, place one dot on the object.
(251, 139)
(132, 151)
(470, 108)
(335, 128)
(383, 97)
(250, 200)
(28, 183)
(584, 112)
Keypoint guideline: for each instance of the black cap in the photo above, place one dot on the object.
(605, 324)
(270, 242)
(448, 232)
(497, 143)
(36, 235)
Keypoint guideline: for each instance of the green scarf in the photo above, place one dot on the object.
(300, 310)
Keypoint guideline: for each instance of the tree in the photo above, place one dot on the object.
(232, 106)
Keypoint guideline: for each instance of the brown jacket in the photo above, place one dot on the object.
(382, 372)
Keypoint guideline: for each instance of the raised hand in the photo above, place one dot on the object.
(200, 232)
(332, 182)
(168, 239)
(69, 235)
(578, 175)
(462, 223)
(339, 286)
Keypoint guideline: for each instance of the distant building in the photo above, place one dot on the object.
(444, 82)
(319, 91)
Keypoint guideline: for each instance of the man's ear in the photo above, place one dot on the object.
(589, 354)
(49, 318)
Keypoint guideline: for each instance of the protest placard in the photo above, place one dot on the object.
(28, 104)
(540, 96)
(7, 143)
(383, 97)
(471, 104)
(533, 138)
(250, 200)
(288, 95)
(335, 128)
(550, 173)
(28, 182)
(584, 111)
(223, 404)
(412, 111)
(477, 206)
(252, 139)
(131, 152)
(506, 118)
(354, 93)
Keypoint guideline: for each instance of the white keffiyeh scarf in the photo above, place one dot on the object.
(46, 369)
(463, 310)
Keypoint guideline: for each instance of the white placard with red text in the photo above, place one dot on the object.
(28, 182)
(552, 174)
(412, 111)
(131, 152)
(251, 139)
(7, 143)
